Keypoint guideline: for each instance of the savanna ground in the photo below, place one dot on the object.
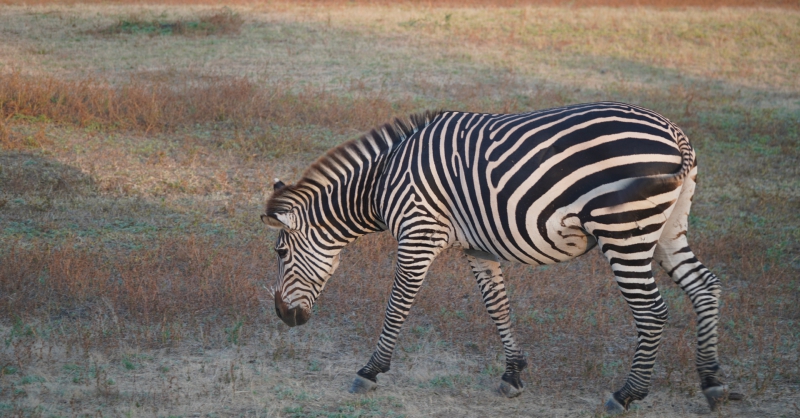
(138, 144)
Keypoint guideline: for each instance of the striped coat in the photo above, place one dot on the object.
(537, 188)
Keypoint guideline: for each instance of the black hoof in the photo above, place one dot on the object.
(509, 391)
(717, 395)
(511, 385)
(361, 385)
(613, 407)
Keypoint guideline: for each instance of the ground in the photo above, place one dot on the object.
(138, 144)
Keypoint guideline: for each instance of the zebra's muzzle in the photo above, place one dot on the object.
(290, 316)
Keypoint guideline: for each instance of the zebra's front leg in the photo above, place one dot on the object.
(493, 290)
(413, 262)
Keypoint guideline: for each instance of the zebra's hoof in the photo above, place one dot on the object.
(510, 391)
(716, 395)
(613, 407)
(361, 385)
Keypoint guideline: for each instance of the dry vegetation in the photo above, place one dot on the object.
(138, 144)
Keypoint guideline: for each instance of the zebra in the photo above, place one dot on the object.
(538, 188)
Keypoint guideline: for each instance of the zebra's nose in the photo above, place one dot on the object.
(290, 316)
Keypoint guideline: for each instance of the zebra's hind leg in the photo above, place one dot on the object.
(702, 287)
(634, 276)
(490, 282)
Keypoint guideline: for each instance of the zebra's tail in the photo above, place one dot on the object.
(669, 181)
(688, 159)
(641, 188)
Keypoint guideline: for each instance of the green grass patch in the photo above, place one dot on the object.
(27, 380)
(449, 381)
(221, 22)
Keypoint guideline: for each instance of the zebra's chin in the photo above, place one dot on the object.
(290, 316)
(294, 316)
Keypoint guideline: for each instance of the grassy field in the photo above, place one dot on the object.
(138, 144)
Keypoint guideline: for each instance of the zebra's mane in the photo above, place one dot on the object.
(385, 138)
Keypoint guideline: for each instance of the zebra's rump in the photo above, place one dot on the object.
(532, 187)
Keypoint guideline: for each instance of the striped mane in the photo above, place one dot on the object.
(382, 140)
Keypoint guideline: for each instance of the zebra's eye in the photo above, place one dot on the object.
(282, 252)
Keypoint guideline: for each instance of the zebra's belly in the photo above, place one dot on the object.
(563, 239)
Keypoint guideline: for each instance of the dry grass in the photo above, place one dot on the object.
(193, 295)
(133, 265)
(171, 104)
(749, 48)
(392, 48)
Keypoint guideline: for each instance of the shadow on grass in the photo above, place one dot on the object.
(43, 199)
(70, 257)
(26, 174)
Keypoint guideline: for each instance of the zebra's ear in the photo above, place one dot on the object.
(283, 220)
(278, 185)
(271, 222)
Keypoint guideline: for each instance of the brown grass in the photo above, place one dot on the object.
(191, 289)
(148, 298)
(166, 105)
(177, 103)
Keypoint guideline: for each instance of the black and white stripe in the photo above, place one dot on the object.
(537, 188)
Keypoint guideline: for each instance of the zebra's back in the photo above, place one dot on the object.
(532, 187)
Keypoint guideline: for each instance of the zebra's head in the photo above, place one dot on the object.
(307, 256)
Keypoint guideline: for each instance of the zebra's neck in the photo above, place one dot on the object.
(337, 192)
